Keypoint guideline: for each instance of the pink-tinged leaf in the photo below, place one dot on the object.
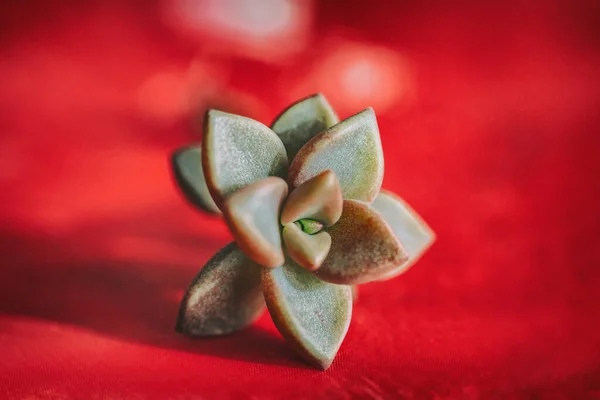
(319, 198)
(303, 120)
(410, 229)
(313, 316)
(352, 149)
(224, 297)
(363, 247)
(238, 151)
(308, 251)
(252, 214)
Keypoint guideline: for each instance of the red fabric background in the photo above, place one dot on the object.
(495, 141)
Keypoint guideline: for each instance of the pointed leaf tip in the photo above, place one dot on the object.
(297, 124)
(363, 247)
(309, 251)
(224, 297)
(187, 170)
(238, 151)
(313, 316)
(319, 198)
(352, 149)
(410, 229)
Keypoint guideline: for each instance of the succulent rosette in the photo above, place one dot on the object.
(302, 200)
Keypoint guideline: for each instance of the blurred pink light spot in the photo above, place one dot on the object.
(354, 76)
(258, 18)
(361, 79)
(267, 30)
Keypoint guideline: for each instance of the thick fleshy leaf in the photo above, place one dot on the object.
(224, 297)
(319, 198)
(312, 315)
(303, 120)
(363, 247)
(352, 149)
(252, 214)
(309, 251)
(414, 234)
(238, 151)
(187, 170)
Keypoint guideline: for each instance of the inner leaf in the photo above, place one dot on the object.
(309, 226)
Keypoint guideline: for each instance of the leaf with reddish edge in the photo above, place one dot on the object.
(238, 151)
(298, 123)
(319, 198)
(252, 214)
(352, 149)
(410, 229)
(313, 316)
(224, 297)
(363, 247)
(309, 251)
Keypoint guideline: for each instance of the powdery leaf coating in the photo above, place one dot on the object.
(410, 229)
(252, 214)
(187, 170)
(303, 120)
(363, 247)
(238, 151)
(352, 149)
(224, 297)
(319, 198)
(308, 251)
(313, 316)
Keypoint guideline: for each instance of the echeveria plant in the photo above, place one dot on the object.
(303, 202)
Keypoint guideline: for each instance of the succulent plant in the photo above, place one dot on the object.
(303, 202)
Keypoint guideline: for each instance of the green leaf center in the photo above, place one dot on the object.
(309, 226)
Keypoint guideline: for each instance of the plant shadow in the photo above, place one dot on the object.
(74, 279)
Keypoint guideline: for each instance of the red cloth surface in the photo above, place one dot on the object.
(489, 116)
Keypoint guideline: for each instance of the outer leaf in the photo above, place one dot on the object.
(312, 315)
(363, 247)
(303, 120)
(319, 198)
(309, 251)
(237, 151)
(352, 149)
(224, 297)
(414, 234)
(252, 214)
(187, 170)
